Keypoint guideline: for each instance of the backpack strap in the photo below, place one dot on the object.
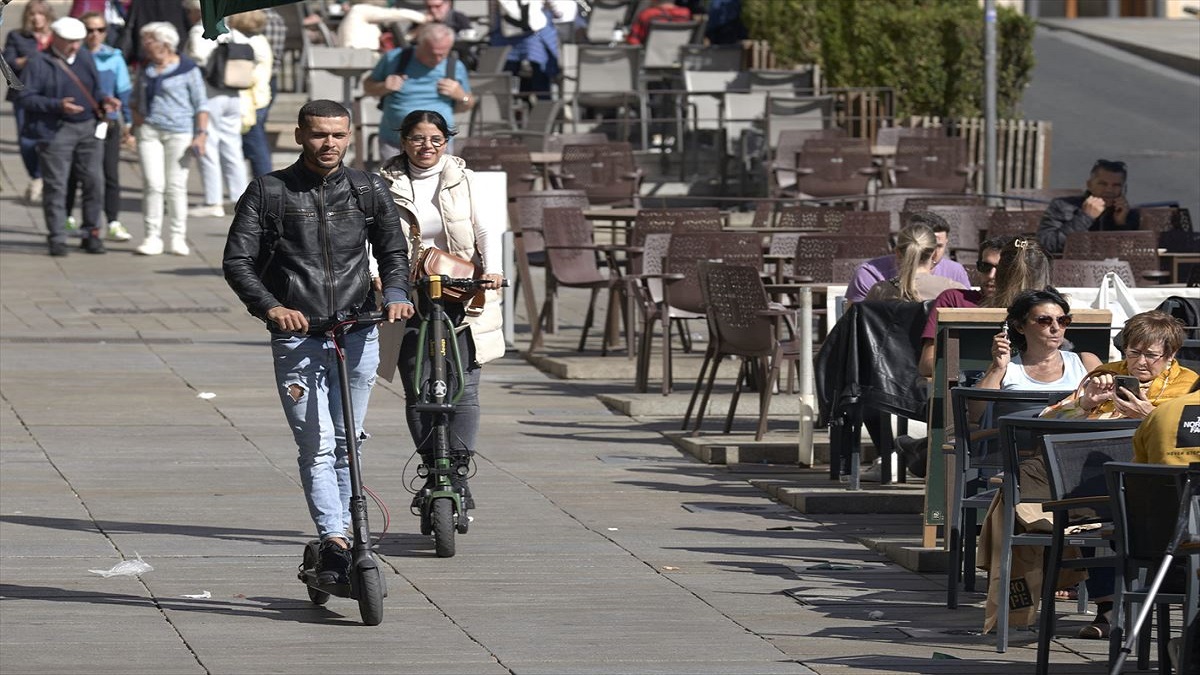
(271, 192)
(364, 193)
(406, 57)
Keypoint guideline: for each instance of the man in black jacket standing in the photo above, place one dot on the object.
(297, 253)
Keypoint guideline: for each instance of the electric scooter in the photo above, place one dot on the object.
(367, 583)
(439, 505)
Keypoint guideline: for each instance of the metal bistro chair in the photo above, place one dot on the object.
(866, 223)
(513, 160)
(1138, 247)
(976, 459)
(571, 261)
(1002, 223)
(1089, 273)
(1078, 495)
(815, 254)
(814, 218)
(828, 169)
(936, 163)
(495, 110)
(1145, 501)
(1015, 430)
(607, 172)
(606, 78)
(681, 286)
(782, 168)
(526, 215)
(741, 323)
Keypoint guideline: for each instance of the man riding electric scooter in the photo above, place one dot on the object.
(297, 257)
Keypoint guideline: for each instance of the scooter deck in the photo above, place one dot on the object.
(309, 577)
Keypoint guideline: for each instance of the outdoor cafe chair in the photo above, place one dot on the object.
(1137, 247)
(1145, 500)
(1078, 495)
(1020, 438)
(741, 323)
(572, 262)
(976, 459)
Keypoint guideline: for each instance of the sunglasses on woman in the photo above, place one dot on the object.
(1046, 321)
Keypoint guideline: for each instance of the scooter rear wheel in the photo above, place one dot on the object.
(443, 527)
(311, 555)
(370, 596)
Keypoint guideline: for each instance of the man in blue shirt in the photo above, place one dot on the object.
(66, 115)
(424, 84)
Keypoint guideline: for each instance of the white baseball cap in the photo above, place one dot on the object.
(69, 28)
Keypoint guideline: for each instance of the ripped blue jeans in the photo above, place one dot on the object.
(307, 378)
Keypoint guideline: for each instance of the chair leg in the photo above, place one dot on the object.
(970, 532)
(1005, 572)
(1048, 616)
(708, 357)
(1164, 636)
(535, 343)
(666, 356)
(587, 323)
(641, 381)
(712, 376)
(954, 542)
(743, 375)
(764, 396)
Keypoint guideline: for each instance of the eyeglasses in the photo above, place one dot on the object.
(435, 141)
(1135, 355)
(1046, 321)
(97, 30)
(984, 267)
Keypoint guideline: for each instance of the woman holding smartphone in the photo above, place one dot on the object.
(1028, 355)
(1150, 341)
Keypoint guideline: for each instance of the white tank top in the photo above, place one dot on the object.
(1016, 378)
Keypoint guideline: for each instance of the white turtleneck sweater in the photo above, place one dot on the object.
(425, 184)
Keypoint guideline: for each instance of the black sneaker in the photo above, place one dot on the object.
(333, 566)
(92, 243)
(460, 486)
(58, 249)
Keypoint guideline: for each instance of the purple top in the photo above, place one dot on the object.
(884, 267)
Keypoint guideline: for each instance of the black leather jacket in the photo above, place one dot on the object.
(319, 266)
(870, 359)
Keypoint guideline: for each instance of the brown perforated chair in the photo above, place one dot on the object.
(813, 262)
(525, 215)
(740, 322)
(782, 168)
(935, 163)
(1003, 223)
(894, 201)
(572, 262)
(865, 223)
(816, 218)
(681, 297)
(606, 171)
(834, 168)
(1088, 273)
(513, 160)
(1139, 248)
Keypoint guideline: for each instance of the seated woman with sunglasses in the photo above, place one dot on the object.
(1028, 355)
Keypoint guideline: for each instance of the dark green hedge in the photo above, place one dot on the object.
(929, 51)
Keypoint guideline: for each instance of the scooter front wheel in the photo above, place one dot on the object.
(370, 596)
(442, 518)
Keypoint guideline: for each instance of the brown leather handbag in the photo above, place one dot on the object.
(434, 261)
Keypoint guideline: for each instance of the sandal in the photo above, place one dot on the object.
(1071, 594)
(1098, 629)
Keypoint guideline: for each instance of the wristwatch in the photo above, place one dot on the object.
(466, 99)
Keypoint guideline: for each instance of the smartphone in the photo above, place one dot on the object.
(1130, 384)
